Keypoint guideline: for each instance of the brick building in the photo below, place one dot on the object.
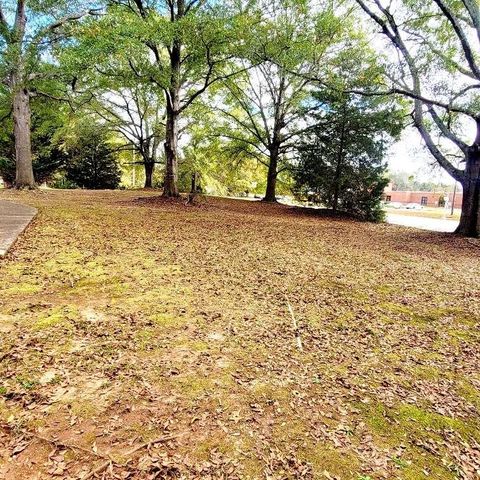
(427, 199)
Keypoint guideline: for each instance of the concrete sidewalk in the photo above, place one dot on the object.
(14, 218)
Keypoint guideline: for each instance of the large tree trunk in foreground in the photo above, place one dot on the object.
(470, 218)
(270, 194)
(23, 146)
(149, 166)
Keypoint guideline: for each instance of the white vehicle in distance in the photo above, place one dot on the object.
(413, 206)
(394, 205)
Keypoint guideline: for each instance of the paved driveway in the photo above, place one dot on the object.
(14, 218)
(434, 224)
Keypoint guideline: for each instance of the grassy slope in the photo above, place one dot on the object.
(124, 320)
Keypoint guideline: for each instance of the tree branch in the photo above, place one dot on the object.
(391, 30)
(3, 20)
(71, 18)
(473, 11)
(462, 37)
(415, 96)
(445, 131)
(20, 19)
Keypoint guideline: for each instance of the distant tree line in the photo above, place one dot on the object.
(410, 182)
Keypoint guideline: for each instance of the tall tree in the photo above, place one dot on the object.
(265, 108)
(135, 113)
(263, 117)
(22, 43)
(439, 69)
(221, 167)
(341, 158)
(48, 117)
(91, 161)
(182, 47)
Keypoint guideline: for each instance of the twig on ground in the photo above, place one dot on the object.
(105, 464)
(295, 325)
(4, 356)
(68, 445)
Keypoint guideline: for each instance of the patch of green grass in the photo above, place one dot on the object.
(400, 462)
(458, 335)
(56, 316)
(404, 423)
(385, 289)
(26, 383)
(263, 391)
(427, 372)
(397, 308)
(397, 423)
(167, 320)
(23, 288)
(437, 314)
(289, 431)
(376, 417)
(219, 442)
(428, 316)
(192, 386)
(418, 420)
(84, 408)
(326, 458)
(143, 338)
(343, 321)
(469, 393)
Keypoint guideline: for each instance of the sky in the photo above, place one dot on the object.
(410, 155)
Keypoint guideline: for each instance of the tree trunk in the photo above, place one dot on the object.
(170, 188)
(193, 188)
(338, 167)
(23, 146)
(336, 187)
(270, 194)
(149, 166)
(469, 225)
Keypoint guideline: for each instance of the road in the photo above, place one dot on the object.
(434, 224)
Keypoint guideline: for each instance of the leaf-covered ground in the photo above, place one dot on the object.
(146, 339)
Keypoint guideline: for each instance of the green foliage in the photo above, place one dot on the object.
(294, 45)
(207, 33)
(222, 169)
(91, 162)
(29, 30)
(341, 159)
